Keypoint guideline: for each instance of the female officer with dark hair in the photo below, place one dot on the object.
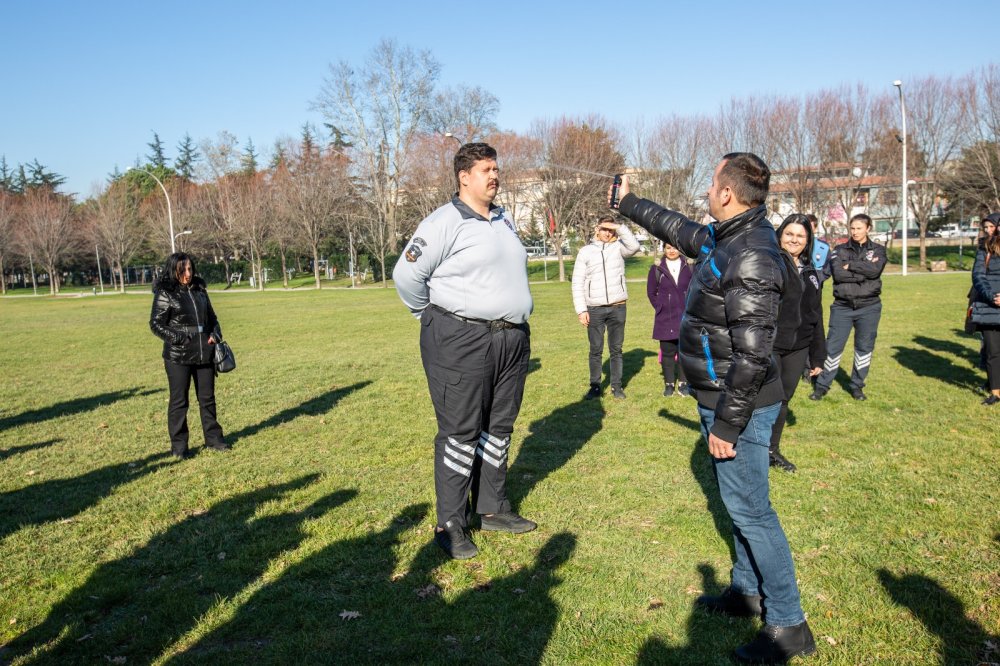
(183, 318)
(857, 287)
(799, 343)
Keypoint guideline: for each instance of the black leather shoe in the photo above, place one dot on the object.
(776, 645)
(858, 394)
(617, 392)
(594, 392)
(991, 400)
(780, 461)
(731, 603)
(507, 522)
(817, 394)
(668, 390)
(455, 542)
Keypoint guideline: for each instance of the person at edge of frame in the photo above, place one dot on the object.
(726, 349)
(464, 276)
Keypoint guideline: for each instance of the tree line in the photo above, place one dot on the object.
(381, 161)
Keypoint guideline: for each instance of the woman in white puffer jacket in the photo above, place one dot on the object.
(599, 296)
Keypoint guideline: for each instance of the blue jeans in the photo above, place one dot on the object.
(763, 559)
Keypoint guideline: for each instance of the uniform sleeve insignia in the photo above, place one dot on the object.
(815, 282)
(413, 252)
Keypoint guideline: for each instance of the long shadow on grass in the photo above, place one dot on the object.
(137, 606)
(17, 450)
(707, 634)
(704, 473)
(59, 499)
(926, 364)
(321, 404)
(70, 407)
(944, 615)
(300, 618)
(949, 347)
(551, 442)
(632, 363)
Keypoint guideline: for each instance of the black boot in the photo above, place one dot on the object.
(775, 459)
(776, 645)
(731, 602)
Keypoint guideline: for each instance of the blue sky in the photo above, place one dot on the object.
(85, 84)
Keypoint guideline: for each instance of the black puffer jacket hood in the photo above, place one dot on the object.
(184, 319)
(728, 331)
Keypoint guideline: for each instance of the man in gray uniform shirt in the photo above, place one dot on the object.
(464, 276)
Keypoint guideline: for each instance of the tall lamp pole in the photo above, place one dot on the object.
(452, 136)
(905, 189)
(170, 215)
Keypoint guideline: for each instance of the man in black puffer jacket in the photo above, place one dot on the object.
(726, 341)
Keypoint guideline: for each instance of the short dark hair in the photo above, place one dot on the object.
(813, 220)
(748, 177)
(804, 222)
(469, 154)
(864, 218)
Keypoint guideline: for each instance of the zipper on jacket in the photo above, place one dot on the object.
(709, 363)
(604, 273)
(201, 351)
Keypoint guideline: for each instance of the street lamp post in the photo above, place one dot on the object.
(170, 215)
(452, 136)
(905, 189)
(186, 232)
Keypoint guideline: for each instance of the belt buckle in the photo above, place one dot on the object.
(497, 325)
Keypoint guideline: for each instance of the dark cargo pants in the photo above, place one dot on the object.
(476, 375)
(864, 321)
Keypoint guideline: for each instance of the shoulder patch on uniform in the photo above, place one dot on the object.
(815, 282)
(413, 252)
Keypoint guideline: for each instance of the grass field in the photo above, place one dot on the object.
(309, 541)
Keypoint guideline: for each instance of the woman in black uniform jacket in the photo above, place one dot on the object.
(183, 318)
(799, 343)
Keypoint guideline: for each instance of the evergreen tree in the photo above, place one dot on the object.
(338, 140)
(248, 160)
(21, 180)
(39, 176)
(6, 176)
(309, 149)
(156, 158)
(279, 156)
(187, 155)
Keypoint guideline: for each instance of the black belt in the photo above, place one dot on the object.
(492, 324)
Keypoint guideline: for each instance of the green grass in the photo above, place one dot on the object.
(109, 552)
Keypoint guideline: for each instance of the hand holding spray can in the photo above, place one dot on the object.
(613, 204)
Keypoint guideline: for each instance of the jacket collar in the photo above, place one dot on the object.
(467, 213)
(744, 219)
(860, 246)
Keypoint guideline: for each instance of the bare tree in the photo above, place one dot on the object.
(430, 180)
(839, 124)
(381, 107)
(468, 114)
(519, 157)
(976, 179)
(673, 158)
(8, 202)
(47, 230)
(244, 205)
(937, 110)
(114, 225)
(309, 188)
(580, 154)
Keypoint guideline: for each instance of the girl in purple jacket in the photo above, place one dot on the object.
(666, 288)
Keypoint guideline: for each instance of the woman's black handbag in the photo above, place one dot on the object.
(225, 361)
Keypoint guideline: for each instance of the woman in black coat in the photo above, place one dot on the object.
(986, 310)
(666, 288)
(183, 318)
(799, 342)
